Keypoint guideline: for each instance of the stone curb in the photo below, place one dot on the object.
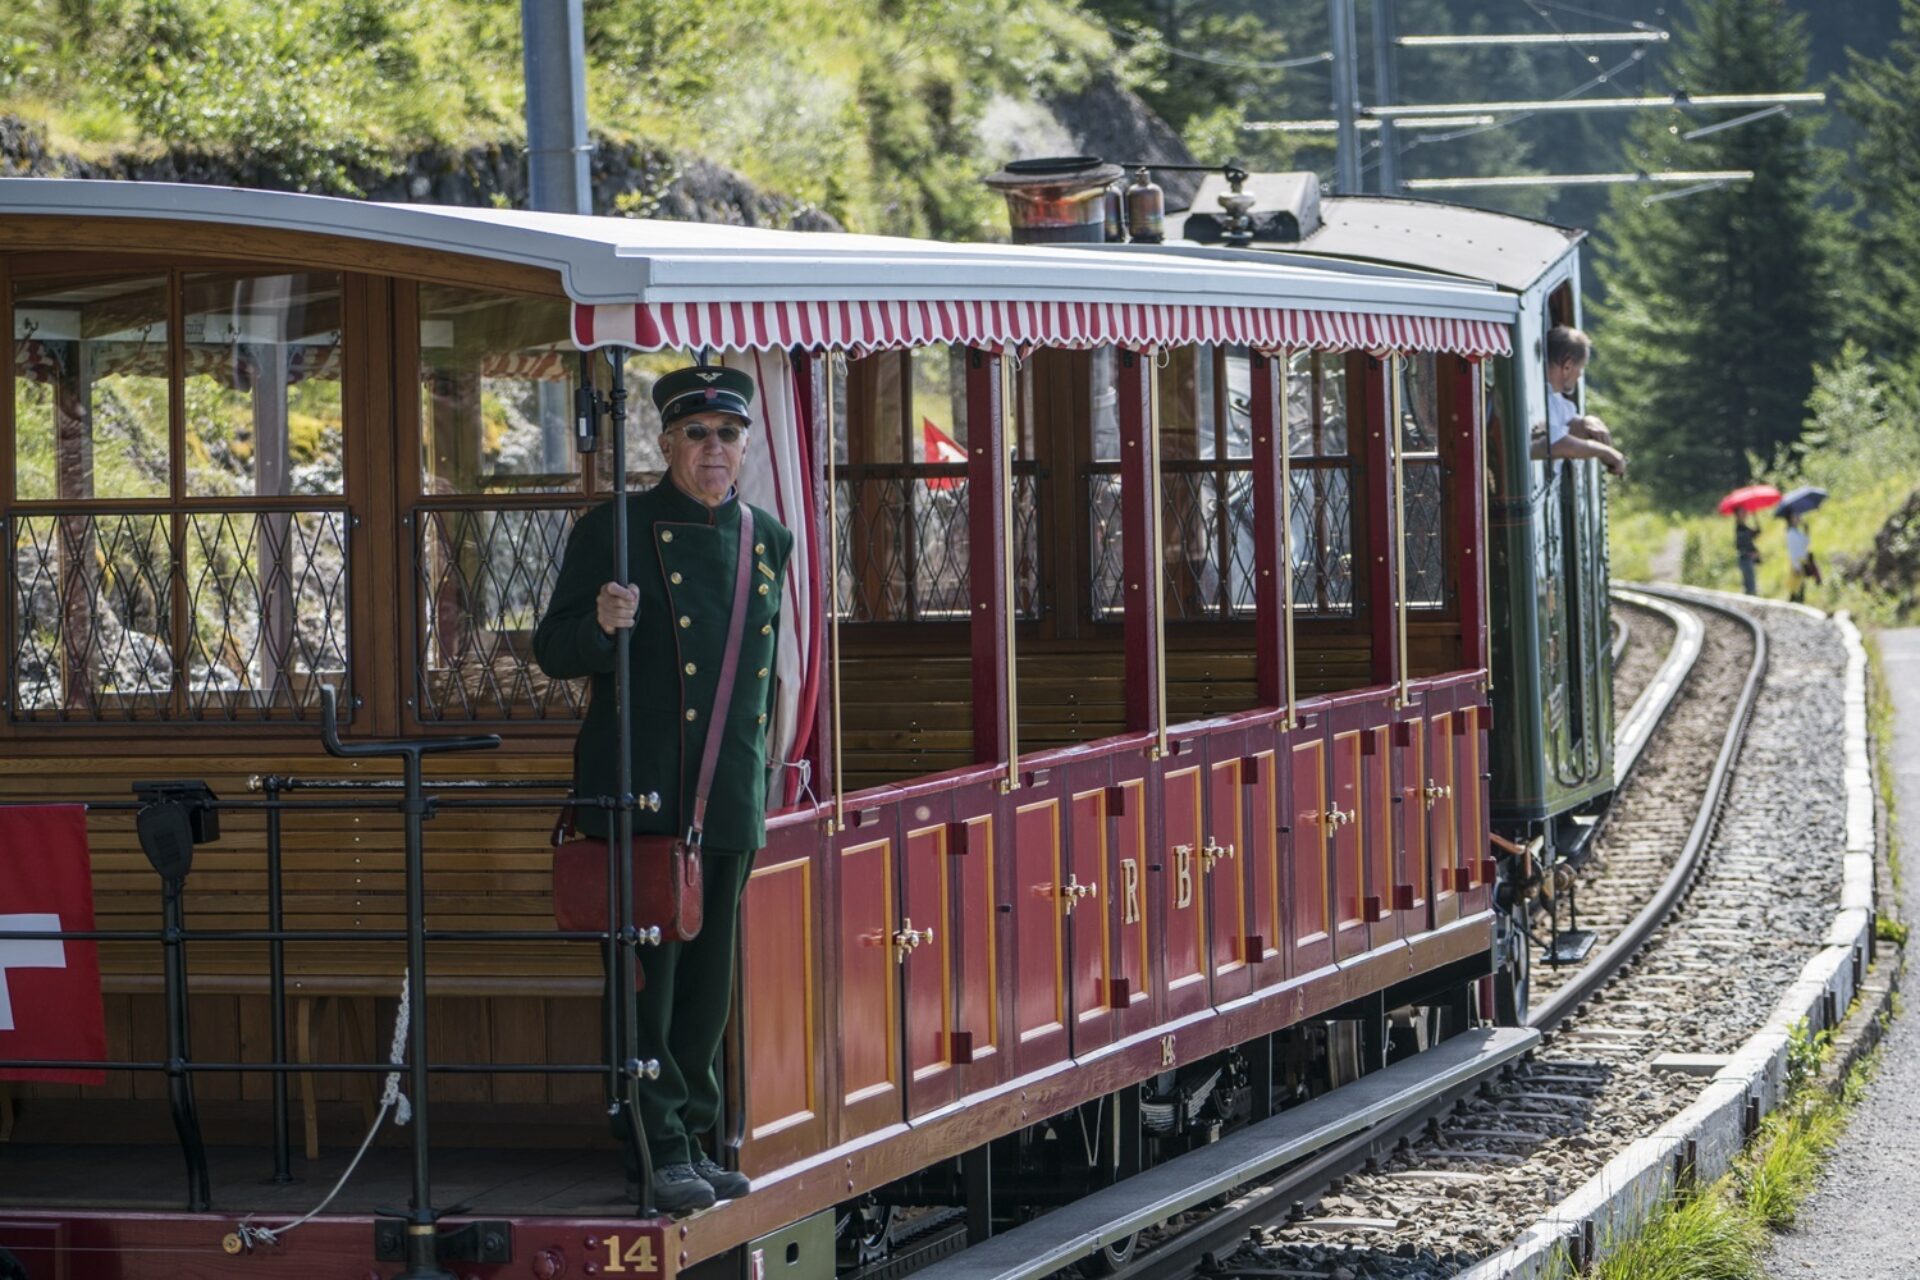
(1702, 1141)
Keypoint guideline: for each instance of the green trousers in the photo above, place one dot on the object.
(682, 1015)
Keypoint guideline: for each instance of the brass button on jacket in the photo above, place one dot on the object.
(672, 536)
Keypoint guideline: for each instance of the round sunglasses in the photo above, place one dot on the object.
(696, 432)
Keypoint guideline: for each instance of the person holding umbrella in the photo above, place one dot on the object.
(1801, 565)
(1741, 504)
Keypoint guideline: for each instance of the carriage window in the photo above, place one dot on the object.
(262, 385)
(91, 376)
(496, 393)
(1424, 484)
(1322, 509)
(229, 602)
(903, 499)
(1206, 450)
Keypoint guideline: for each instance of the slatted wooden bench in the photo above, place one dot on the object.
(485, 869)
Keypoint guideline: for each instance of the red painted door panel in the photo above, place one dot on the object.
(1040, 1007)
(1131, 903)
(1470, 792)
(1412, 895)
(780, 979)
(1310, 886)
(1087, 900)
(1349, 816)
(924, 958)
(973, 863)
(1377, 830)
(1183, 810)
(1442, 817)
(869, 1036)
(1260, 855)
(1224, 870)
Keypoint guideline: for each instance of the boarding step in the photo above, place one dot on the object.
(1569, 946)
(1078, 1230)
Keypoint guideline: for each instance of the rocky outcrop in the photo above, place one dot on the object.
(627, 178)
(1892, 569)
(1108, 120)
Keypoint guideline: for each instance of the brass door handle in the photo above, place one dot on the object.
(908, 939)
(1073, 891)
(1336, 817)
(1435, 793)
(1213, 852)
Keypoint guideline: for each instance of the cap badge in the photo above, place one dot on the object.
(708, 377)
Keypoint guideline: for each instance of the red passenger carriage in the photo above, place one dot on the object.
(1138, 759)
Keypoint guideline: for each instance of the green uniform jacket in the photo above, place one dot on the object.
(681, 555)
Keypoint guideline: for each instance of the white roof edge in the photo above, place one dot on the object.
(613, 261)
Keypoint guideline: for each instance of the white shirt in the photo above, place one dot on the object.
(1797, 547)
(1560, 415)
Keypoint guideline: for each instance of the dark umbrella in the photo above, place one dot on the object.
(1800, 501)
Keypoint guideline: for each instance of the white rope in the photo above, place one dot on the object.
(391, 1100)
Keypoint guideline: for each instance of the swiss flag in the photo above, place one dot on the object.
(940, 447)
(50, 1006)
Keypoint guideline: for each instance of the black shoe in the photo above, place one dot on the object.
(726, 1184)
(678, 1189)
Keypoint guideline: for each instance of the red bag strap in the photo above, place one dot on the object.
(729, 668)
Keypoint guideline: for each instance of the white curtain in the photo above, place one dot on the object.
(776, 479)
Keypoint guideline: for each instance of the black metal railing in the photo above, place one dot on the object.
(171, 816)
(226, 615)
(484, 576)
(1322, 538)
(905, 548)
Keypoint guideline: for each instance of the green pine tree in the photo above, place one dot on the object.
(1719, 304)
(1882, 95)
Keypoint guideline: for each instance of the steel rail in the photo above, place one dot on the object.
(1632, 733)
(1291, 1190)
(1629, 941)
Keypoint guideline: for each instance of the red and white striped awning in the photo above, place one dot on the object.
(876, 326)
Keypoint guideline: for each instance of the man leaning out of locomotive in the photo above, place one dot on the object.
(683, 537)
(1568, 433)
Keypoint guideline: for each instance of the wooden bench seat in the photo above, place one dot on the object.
(485, 869)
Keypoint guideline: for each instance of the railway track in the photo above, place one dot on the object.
(1448, 1182)
(1635, 1032)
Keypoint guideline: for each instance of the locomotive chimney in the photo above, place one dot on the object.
(1057, 199)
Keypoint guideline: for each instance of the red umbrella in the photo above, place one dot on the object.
(1753, 497)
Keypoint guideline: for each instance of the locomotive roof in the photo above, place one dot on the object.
(602, 261)
(1500, 249)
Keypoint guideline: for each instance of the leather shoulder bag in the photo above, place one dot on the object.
(667, 879)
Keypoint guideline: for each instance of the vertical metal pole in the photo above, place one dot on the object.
(1284, 429)
(186, 1116)
(554, 37)
(277, 988)
(1009, 433)
(1396, 374)
(624, 1103)
(839, 819)
(422, 1248)
(1346, 97)
(1385, 31)
(1157, 567)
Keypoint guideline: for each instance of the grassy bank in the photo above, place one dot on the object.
(1860, 445)
(872, 110)
(1721, 1232)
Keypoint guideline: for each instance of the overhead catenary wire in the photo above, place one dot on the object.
(1720, 126)
(1138, 35)
(1717, 176)
(1530, 38)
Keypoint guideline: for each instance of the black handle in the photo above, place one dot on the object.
(330, 736)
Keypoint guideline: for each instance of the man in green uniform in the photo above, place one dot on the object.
(683, 539)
